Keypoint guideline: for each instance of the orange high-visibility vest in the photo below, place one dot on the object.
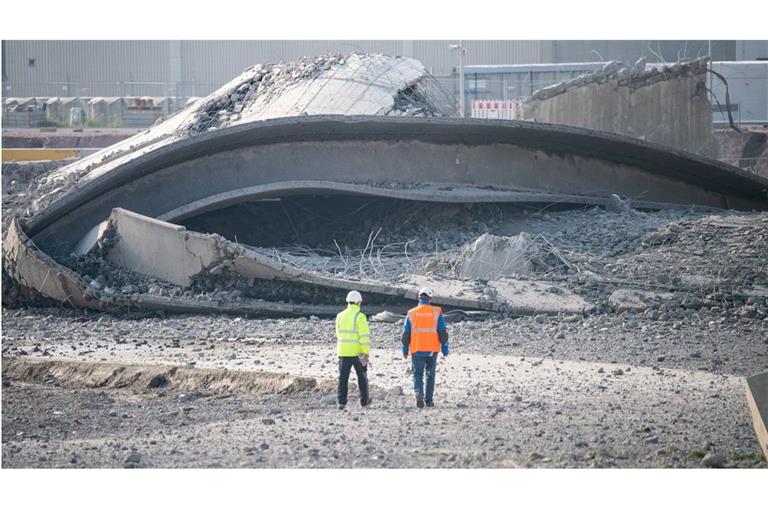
(423, 322)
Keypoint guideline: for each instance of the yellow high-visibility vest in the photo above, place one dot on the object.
(352, 335)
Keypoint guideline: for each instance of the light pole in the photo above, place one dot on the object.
(462, 51)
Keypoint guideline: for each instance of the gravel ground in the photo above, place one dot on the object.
(511, 394)
(695, 342)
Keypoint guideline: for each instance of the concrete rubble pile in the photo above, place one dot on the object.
(333, 84)
(572, 261)
(136, 255)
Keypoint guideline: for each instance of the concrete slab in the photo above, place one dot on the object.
(161, 249)
(401, 152)
(757, 399)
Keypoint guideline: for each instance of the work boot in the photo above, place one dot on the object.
(368, 402)
(342, 406)
(419, 401)
(430, 403)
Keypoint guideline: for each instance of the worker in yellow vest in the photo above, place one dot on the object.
(424, 335)
(353, 346)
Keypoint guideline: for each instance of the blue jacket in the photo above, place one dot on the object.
(441, 331)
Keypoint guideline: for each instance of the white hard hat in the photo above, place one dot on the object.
(426, 291)
(354, 296)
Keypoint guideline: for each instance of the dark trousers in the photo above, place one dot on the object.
(345, 365)
(423, 364)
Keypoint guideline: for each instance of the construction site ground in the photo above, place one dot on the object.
(528, 392)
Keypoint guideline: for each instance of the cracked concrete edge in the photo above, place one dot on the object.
(757, 400)
(34, 269)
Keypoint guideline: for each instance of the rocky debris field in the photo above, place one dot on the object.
(691, 343)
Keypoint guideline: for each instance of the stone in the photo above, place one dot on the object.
(133, 460)
(328, 399)
(713, 460)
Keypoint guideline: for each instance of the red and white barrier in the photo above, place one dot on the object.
(494, 109)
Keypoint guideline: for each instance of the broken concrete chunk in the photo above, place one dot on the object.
(492, 257)
(626, 299)
(387, 317)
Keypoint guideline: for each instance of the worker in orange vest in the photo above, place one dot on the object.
(424, 335)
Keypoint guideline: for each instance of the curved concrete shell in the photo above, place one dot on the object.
(418, 158)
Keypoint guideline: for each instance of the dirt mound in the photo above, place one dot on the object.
(72, 374)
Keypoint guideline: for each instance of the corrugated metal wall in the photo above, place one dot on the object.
(152, 68)
(84, 68)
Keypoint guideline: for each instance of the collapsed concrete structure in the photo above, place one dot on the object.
(390, 138)
(667, 105)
